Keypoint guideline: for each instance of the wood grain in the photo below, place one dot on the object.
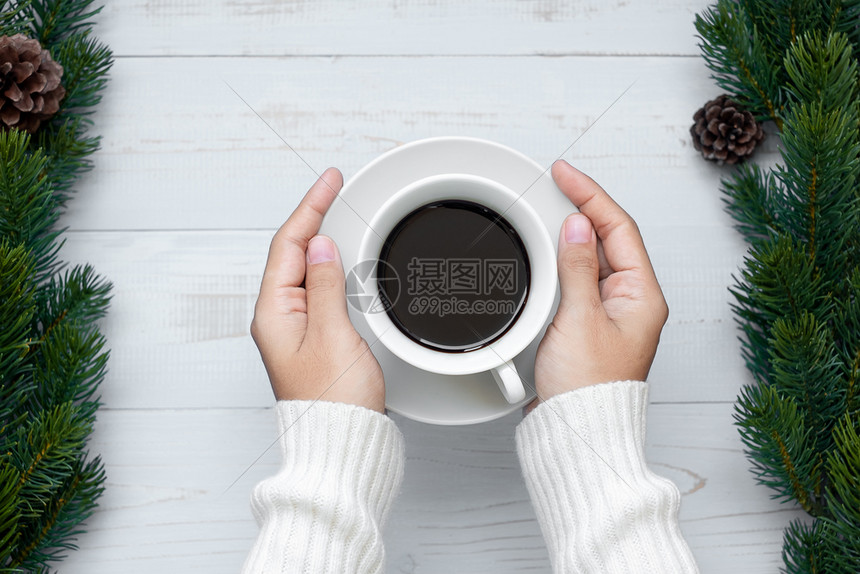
(463, 505)
(386, 27)
(190, 184)
(183, 302)
(182, 151)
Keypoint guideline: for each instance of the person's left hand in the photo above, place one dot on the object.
(301, 326)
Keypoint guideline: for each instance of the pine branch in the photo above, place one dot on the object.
(67, 148)
(49, 537)
(750, 197)
(843, 17)
(780, 23)
(52, 356)
(780, 444)
(778, 280)
(9, 512)
(17, 310)
(821, 69)
(17, 307)
(847, 329)
(48, 454)
(819, 176)
(733, 50)
(79, 298)
(86, 63)
(844, 491)
(69, 368)
(56, 20)
(798, 294)
(13, 18)
(805, 369)
(806, 547)
(44, 450)
(28, 211)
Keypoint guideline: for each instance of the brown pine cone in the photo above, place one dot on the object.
(30, 90)
(723, 132)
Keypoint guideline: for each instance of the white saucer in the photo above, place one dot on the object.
(412, 392)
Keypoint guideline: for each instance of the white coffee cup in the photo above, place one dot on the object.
(497, 356)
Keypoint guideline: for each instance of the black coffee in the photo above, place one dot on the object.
(455, 274)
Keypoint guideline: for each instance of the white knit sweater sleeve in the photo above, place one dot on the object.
(325, 509)
(599, 507)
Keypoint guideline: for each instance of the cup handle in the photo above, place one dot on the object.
(509, 382)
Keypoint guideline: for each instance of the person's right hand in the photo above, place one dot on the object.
(301, 326)
(612, 309)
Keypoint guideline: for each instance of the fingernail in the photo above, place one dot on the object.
(566, 164)
(320, 249)
(577, 229)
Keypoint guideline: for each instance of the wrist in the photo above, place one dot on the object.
(602, 424)
(588, 392)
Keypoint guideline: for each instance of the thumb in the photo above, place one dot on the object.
(324, 286)
(578, 270)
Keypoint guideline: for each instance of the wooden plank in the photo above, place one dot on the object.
(463, 501)
(183, 301)
(182, 151)
(190, 184)
(304, 27)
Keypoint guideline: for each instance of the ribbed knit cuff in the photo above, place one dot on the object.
(599, 507)
(325, 509)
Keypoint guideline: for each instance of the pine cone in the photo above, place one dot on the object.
(30, 90)
(723, 132)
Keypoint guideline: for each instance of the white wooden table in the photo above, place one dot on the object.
(190, 185)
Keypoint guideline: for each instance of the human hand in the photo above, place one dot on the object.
(611, 310)
(301, 325)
